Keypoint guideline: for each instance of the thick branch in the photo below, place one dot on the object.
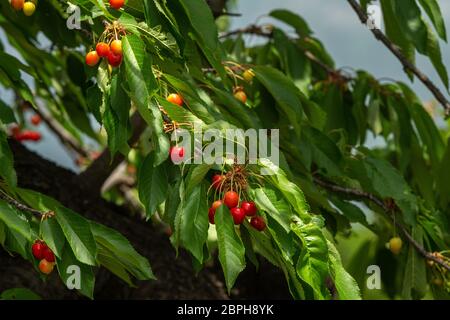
(102, 167)
(64, 137)
(383, 205)
(408, 65)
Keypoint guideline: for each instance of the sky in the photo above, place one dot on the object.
(334, 22)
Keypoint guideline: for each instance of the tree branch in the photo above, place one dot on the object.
(20, 206)
(267, 33)
(408, 65)
(388, 209)
(64, 137)
(102, 167)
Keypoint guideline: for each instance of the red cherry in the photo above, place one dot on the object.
(258, 223)
(102, 49)
(238, 215)
(92, 58)
(38, 250)
(114, 59)
(211, 214)
(176, 154)
(116, 4)
(48, 254)
(46, 267)
(217, 181)
(231, 199)
(36, 119)
(175, 99)
(249, 207)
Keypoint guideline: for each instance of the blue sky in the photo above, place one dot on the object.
(348, 41)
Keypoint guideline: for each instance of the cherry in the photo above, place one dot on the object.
(116, 47)
(249, 207)
(241, 96)
(46, 267)
(175, 98)
(92, 58)
(102, 49)
(28, 136)
(231, 199)
(114, 59)
(258, 223)
(238, 215)
(38, 250)
(217, 181)
(48, 254)
(176, 154)
(29, 8)
(36, 119)
(17, 4)
(211, 214)
(395, 245)
(116, 4)
(216, 204)
(248, 75)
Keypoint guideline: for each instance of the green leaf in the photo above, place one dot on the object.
(294, 20)
(196, 176)
(78, 234)
(6, 114)
(143, 86)
(116, 117)
(19, 294)
(122, 251)
(381, 177)
(205, 32)
(284, 91)
(409, 18)
(53, 236)
(266, 199)
(434, 53)
(312, 265)
(152, 184)
(66, 269)
(194, 222)
(346, 286)
(231, 248)
(433, 11)
(290, 190)
(15, 220)
(415, 276)
(7, 161)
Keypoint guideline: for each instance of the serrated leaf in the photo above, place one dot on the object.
(346, 286)
(15, 220)
(78, 234)
(53, 236)
(123, 252)
(312, 265)
(152, 184)
(231, 248)
(194, 221)
(66, 266)
(143, 86)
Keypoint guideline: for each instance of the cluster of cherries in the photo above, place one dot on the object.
(112, 52)
(238, 91)
(45, 256)
(231, 200)
(27, 7)
(28, 135)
